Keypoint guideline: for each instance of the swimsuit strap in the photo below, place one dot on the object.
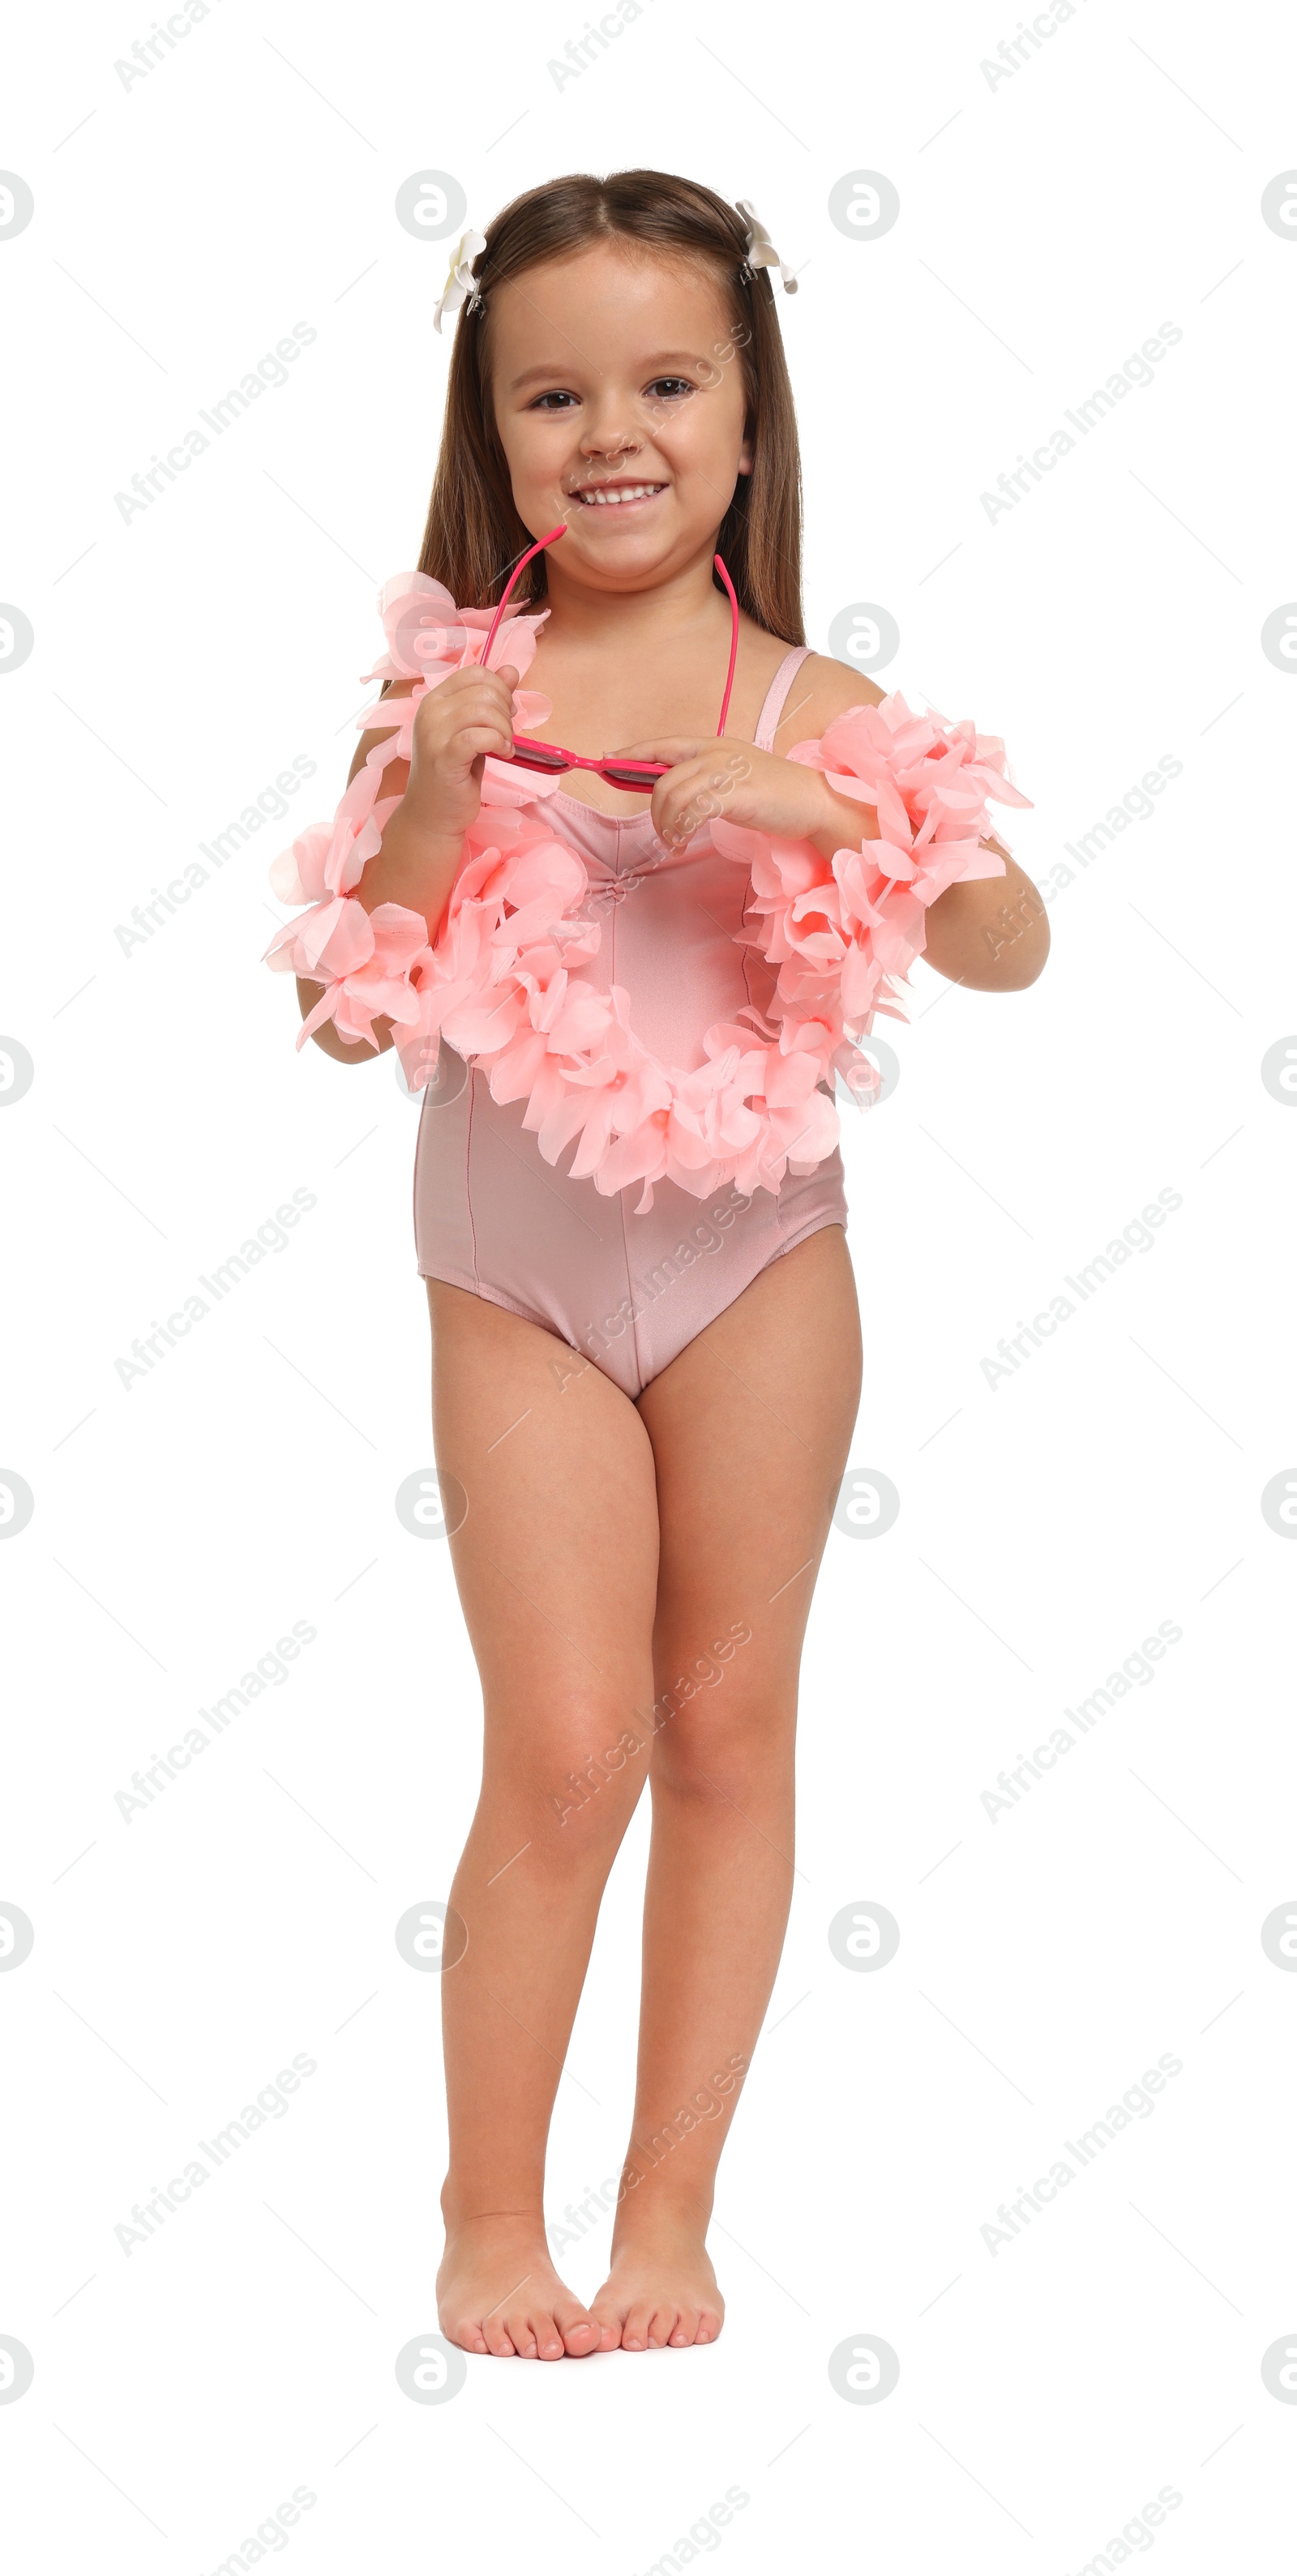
(776, 694)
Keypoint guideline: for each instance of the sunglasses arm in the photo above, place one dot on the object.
(653, 768)
(519, 569)
(734, 643)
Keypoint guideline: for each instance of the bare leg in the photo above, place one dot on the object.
(750, 1429)
(556, 1565)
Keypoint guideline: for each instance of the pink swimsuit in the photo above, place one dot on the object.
(629, 1291)
(666, 1022)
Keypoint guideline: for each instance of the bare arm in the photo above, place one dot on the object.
(991, 933)
(416, 864)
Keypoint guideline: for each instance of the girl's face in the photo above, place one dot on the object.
(620, 404)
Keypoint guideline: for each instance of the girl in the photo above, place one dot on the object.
(646, 1366)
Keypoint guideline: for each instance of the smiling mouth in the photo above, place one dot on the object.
(614, 496)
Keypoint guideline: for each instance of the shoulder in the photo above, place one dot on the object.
(825, 689)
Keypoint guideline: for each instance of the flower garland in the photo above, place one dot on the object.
(503, 981)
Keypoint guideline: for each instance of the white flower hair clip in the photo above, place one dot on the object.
(761, 249)
(460, 281)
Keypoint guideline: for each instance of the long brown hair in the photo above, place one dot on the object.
(474, 535)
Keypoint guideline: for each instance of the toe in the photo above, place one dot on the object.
(468, 2334)
(545, 2339)
(498, 2339)
(577, 2330)
(685, 2329)
(709, 2325)
(662, 2325)
(608, 2318)
(635, 2326)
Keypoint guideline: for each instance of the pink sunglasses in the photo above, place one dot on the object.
(547, 756)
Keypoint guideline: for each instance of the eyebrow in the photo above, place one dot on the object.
(658, 359)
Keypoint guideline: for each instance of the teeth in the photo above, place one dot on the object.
(604, 499)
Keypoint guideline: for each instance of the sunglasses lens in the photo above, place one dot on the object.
(540, 755)
(636, 774)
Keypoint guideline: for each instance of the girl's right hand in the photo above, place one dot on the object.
(455, 727)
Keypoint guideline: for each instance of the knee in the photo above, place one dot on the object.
(583, 1780)
(728, 1746)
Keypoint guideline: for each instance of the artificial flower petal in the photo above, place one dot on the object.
(503, 980)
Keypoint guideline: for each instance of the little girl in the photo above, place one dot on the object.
(646, 1354)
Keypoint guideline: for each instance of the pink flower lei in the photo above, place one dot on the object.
(503, 983)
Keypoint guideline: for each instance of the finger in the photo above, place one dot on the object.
(469, 744)
(675, 815)
(493, 685)
(682, 800)
(671, 748)
(667, 809)
(508, 674)
(487, 702)
(474, 675)
(692, 815)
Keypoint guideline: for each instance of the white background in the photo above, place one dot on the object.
(1048, 1523)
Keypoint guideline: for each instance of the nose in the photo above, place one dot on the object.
(612, 432)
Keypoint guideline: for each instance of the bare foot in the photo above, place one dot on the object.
(498, 2292)
(661, 2288)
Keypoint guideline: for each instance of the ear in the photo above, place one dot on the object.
(746, 457)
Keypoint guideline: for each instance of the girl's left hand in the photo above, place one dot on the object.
(757, 789)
